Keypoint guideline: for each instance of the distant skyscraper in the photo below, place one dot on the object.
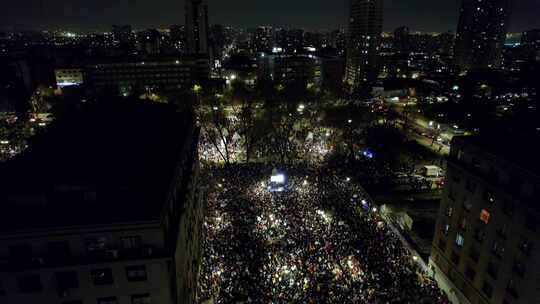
(263, 39)
(365, 28)
(402, 39)
(177, 34)
(338, 40)
(151, 42)
(481, 33)
(197, 27)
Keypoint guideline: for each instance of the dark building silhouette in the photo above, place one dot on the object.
(151, 42)
(104, 207)
(197, 27)
(263, 39)
(402, 39)
(177, 35)
(365, 29)
(481, 33)
(122, 34)
(218, 40)
(530, 41)
(531, 38)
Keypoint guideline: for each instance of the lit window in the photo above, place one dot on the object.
(446, 229)
(484, 216)
(460, 240)
(449, 211)
(488, 196)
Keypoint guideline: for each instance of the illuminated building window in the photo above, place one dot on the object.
(460, 240)
(489, 197)
(449, 211)
(484, 216)
(446, 229)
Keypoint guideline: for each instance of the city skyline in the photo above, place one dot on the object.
(421, 15)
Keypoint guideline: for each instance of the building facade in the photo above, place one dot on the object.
(402, 39)
(196, 27)
(485, 248)
(126, 75)
(481, 33)
(93, 225)
(68, 77)
(365, 29)
(289, 69)
(263, 39)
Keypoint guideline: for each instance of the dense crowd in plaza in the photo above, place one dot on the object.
(318, 241)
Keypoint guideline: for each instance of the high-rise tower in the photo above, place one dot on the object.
(365, 29)
(481, 33)
(197, 27)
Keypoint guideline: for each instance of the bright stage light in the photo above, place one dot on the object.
(278, 178)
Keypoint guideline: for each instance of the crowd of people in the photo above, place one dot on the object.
(320, 240)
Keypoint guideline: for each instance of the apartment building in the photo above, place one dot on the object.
(103, 208)
(486, 248)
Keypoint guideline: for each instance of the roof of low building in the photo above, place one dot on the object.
(106, 163)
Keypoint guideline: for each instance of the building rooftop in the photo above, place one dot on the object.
(104, 164)
(517, 149)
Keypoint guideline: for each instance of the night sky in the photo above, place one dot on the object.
(424, 15)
